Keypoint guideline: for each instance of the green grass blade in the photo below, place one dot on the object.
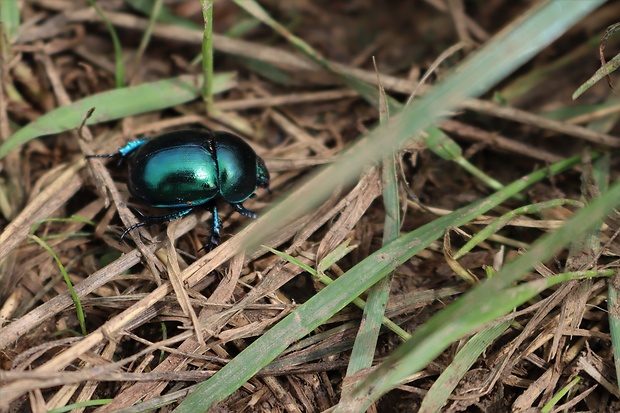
(601, 73)
(601, 171)
(76, 299)
(9, 21)
(437, 334)
(116, 104)
(164, 16)
(476, 75)
(318, 276)
(72, 218)
(365, 345)
(613, 294)
(341, 292)
(88, 403)
(445, 384)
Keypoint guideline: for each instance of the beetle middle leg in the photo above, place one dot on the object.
(216, 225)
(244, 211)
(214, 241)
(151, 220)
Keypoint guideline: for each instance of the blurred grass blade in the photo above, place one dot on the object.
(435, 336)
(535, 79)
(146, 38)
(116, 104)
(207, 55)
(363, 352)
(613, 293)
(164, 16)
(335, 255)
(541, 25)
(341, 292)
(368, 92)
(9, 21)
(446, 148)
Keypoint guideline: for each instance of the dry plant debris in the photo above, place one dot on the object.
(146, 343)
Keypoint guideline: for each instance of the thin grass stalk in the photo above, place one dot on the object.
(207, 54)
(119, 73)
(76, 299)
(146, 36)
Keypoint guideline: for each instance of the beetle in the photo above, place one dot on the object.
(186, 169)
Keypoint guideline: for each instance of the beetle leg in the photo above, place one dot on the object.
(148, 221)
(214, 241)
(244, 211)
(104, 155)
(131, 228)
(215, 228)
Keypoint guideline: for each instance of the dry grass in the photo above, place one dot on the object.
(159, 319)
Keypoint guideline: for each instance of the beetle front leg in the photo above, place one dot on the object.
(215, 228)
(124, 151)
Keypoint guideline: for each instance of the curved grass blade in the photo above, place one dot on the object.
(116, 104)
(76, 299)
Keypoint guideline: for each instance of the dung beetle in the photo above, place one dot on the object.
(185, 169)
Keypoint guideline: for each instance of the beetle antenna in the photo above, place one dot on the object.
(103, 155)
